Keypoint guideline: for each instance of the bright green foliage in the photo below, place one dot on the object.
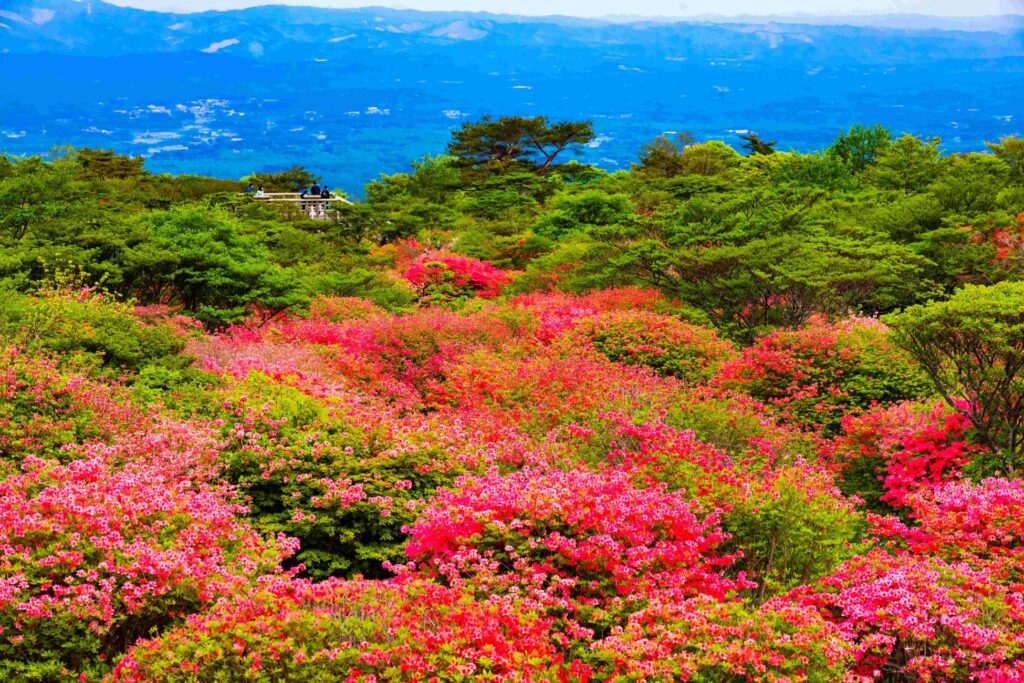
(861, 145)
(970, 184)
(972, 347)
(203, 261)
(572, 212)
(792, 528)
(1011, 150)
(91, 325)
(909, 164)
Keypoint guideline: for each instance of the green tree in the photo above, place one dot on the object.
(970, 185)
(861, 145)
(530, 141)
(33, 192)
(1011, 150)
(105, 163)
(202, 260)
(574, 211)
(972, 347)
(910, 165)
(753, 142)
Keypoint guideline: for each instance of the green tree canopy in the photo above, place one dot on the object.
(533, 142)
(972, 347)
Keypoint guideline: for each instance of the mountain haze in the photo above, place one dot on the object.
(354, 92)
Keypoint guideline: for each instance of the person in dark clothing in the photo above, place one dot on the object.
(315, 190)
(325, 193)
(248, 190)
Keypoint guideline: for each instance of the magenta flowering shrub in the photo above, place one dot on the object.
(590, 547)
(920, 618)
(117, 544)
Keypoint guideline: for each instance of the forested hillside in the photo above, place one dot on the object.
(731, 415)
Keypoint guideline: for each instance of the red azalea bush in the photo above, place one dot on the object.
(355, 631)
(441, 277)
(817, 374)
(553, 313)
(886, 454)
(539, 387)
(1007, 241)
(588, 546)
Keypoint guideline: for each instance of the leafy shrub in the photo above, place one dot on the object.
(960, 521)
(667, 345)
(89, 322)
(354, 631)
(333, 484)
(817, 374)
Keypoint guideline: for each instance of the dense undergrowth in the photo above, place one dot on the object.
(514, 423)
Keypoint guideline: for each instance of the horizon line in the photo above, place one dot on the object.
(612, 18)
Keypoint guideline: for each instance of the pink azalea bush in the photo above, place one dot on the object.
(116, 544)
(921, 618)
(588, 546)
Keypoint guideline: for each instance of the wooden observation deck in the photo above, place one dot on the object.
(314, 206)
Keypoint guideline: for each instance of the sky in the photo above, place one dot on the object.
(665, 8)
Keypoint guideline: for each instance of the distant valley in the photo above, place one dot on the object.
(351, 93)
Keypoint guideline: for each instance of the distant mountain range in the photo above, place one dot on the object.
(355, 92)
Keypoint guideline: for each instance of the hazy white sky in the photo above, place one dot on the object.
(593, 8)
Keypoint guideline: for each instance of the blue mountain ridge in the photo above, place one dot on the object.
(352, 93)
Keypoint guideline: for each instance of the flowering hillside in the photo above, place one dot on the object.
(716, 419)
(541, 488)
